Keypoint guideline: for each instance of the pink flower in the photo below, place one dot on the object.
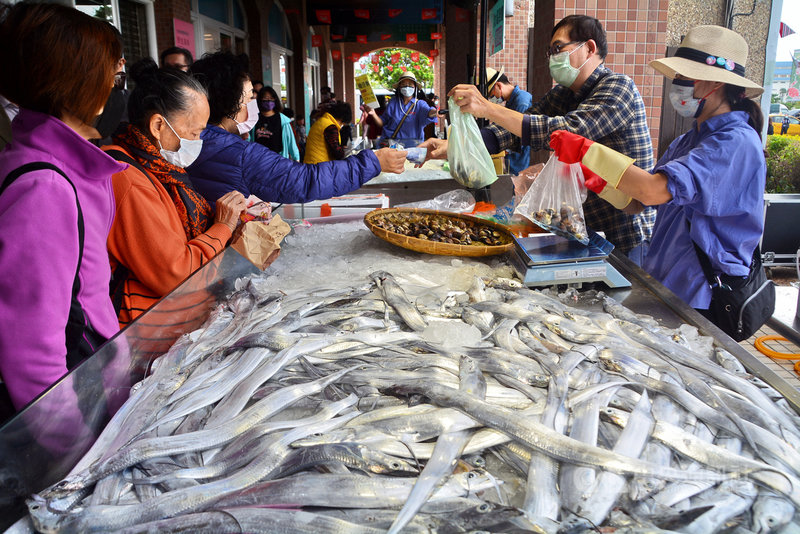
(793, 92)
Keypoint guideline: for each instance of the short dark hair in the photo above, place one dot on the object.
(503, 79)
(176, 50)
(582, 28)
(268, 90)
(223, 75)
(56, 59)
(341, 111)
(164, 91)
(289, 112)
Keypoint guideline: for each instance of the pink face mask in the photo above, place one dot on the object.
(252, 118)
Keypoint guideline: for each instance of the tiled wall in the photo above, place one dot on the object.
(514, 56)
(636, 32)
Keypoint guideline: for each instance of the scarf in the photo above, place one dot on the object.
(193, 209)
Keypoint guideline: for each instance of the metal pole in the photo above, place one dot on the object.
(482, 53)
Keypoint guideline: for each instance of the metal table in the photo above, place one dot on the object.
(42, 443)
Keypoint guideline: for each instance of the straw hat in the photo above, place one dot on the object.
(491, 78)
(710, 53)
(407, 76)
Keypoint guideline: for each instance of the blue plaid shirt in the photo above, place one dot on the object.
(607, 109)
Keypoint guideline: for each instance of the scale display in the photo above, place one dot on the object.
(549, 259)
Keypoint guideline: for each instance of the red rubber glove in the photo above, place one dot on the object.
(570, 148)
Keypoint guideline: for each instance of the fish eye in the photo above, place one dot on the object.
(471, 475)
(394, 465)
(483, 507)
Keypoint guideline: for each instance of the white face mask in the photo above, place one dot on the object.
(681, 96)
(495, 100)
(407, 91)
(186, 154)
(562, 70)
(252, 118)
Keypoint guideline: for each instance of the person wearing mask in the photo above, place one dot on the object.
(163, 230)
(500, 90)
(227, 163)
(589, 100)
(274, 129)
(54, 305)
(408, 112)
(324, 141)
(709, 184)
(177, 58)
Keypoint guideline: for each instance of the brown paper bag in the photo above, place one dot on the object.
(259, 241)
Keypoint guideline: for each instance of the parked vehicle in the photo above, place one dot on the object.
(777, 123)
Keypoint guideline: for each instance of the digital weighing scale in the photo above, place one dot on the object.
(548, 259)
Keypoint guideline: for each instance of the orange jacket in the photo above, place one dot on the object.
(147, 237)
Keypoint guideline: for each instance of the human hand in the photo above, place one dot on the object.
(391, 160)
(470, 100)
(435, 149)
(229, 207)
(570, 148)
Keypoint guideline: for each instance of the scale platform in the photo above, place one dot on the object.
(548, 259)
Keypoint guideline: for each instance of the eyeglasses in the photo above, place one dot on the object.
(556, 48)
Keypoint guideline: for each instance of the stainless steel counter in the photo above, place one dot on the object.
(43, 442)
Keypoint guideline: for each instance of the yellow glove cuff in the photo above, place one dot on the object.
(615, 197)
(608, 164)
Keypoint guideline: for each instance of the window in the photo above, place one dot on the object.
(223, 25)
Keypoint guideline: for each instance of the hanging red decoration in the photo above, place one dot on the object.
(433, 53)
(415, 56)
(336, 54)
(336, 37)
(316, 40)
(395, 58)
(291, 11)
(323, 16)
(436, 35)
(386, 36)
(462, 15)
(411, 38)
(355, 57)
(375, 59)
(428, 14)
(361, 38)
(394, 12)
(361, 13)
(375, 68)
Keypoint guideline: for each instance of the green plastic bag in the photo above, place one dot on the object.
(470, 162)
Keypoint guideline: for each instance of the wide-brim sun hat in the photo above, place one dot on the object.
(710, 53)
(491, 78)
(407, 76)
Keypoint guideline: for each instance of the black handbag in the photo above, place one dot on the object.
(739, 306)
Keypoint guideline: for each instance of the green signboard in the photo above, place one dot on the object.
(497, 23)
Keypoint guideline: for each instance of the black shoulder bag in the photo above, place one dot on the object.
(739, 306)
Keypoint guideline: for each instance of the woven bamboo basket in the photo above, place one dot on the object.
(435, 247)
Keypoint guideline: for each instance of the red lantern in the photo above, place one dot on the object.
(411, 38)
(428, 14)
(323, 16)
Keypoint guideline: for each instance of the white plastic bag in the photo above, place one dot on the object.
(456, 201)
(470, 162)
(555, 200)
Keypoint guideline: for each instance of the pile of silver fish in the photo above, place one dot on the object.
(336, 410)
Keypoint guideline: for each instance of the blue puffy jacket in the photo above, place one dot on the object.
(229, 163)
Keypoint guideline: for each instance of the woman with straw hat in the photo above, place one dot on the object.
(408, 112)
(709, 184)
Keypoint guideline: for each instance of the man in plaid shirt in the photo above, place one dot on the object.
(589, 100)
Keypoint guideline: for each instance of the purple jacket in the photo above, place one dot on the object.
(39, 250)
